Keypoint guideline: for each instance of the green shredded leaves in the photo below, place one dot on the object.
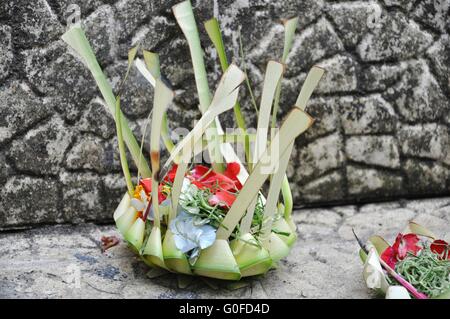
(426, 272)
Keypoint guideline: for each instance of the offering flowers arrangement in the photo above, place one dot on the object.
(207, 220)
(417, 264)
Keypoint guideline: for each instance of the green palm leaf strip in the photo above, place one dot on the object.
(123, 156)
(289, 32)
(311, 81)
(152, 62)
(295, 124)
(131, 57)
(76, 39)
(272, 77)
(185, 17)
(176, 188)
(224, 99)
(247, 80)
(163, 98)
(213, 30)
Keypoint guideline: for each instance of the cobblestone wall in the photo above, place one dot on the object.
(382, 108)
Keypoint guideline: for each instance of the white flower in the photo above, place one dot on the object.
(140, 204)
(190, 234)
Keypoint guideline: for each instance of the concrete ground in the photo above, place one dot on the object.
(66, 261)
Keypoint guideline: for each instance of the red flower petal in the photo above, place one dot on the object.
(200, 171)
(389, 256)
(161, 195)
(405, 244)
(218, 181)
(440, 247)
(205, 178)
(222, 198)
(232, 171)
(170, 177)
(147, 184)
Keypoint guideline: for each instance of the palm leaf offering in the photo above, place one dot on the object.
(417, 265)
(210, 220)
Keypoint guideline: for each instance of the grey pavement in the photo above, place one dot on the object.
(66, 261)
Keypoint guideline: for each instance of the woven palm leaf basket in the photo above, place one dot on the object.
(211, 220)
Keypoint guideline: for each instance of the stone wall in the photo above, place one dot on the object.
(382, 109)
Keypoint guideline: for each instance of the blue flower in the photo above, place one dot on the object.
(191, 234)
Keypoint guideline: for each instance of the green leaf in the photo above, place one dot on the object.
(176, 187)
(247, 80)
(311, 81)
(122, 153)
(217, 261)
(251, 258)
(173, 257)
(290, 26)
(295, 124)
(274, 190)
(153, 253)
(279, 179)
(76, 39)
(185, 17)
(379, 243)
(135, 234)
(277, 248)
(445, 295)
(151, 72)
(274, 71)
(420, 230)
(152, 62)
(213, 30)
(161, 101)
(123, 206)
(224, 99)
(131, 56)
(126, 220)
(289, 31)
